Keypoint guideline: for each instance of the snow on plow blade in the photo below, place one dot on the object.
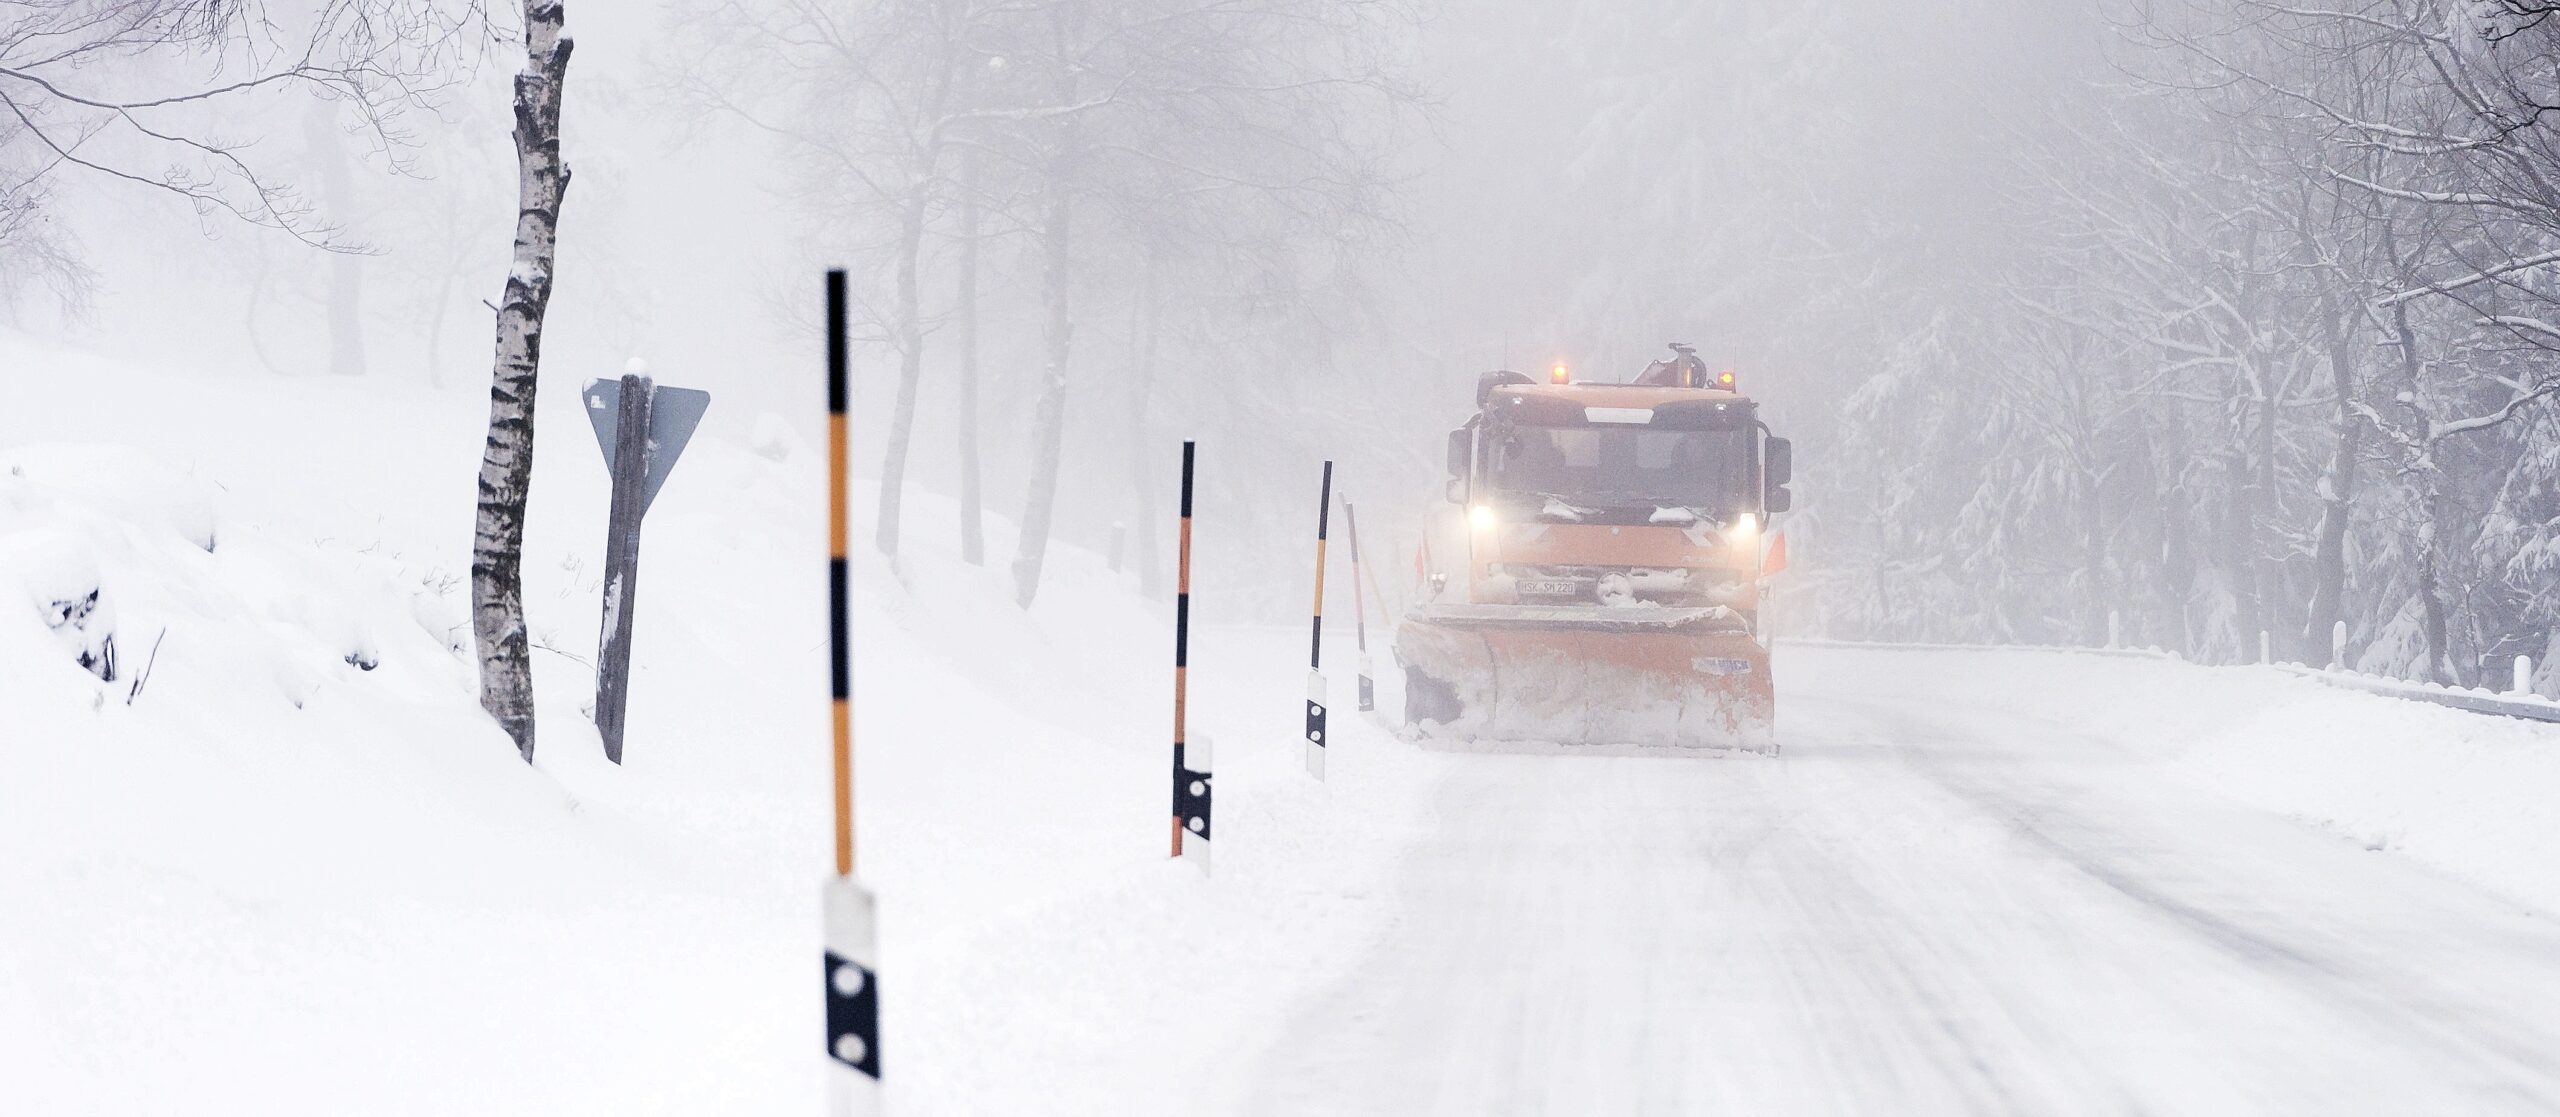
(1692, 677)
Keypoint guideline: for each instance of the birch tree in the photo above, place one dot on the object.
(506, 460)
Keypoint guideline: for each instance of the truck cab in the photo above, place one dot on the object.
(1608, 495)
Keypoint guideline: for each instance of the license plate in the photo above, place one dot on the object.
(1550, 587)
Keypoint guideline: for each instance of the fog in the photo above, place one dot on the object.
(1962, 254)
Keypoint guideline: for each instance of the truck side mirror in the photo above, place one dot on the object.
(1778, 500)
(1462, 446)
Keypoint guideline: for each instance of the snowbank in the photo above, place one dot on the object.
(2474, 795)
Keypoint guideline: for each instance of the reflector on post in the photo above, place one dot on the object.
(1193, 792)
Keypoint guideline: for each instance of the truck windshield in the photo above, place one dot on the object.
(1704, 469)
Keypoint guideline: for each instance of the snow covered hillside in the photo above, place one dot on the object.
(299, 872)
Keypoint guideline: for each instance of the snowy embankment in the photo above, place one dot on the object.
(299, 873)
(2471, 794)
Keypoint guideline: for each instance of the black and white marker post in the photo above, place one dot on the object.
(1191, 760)
(642, 429)
(1315, 641)
(851, 924)
(1359, 608)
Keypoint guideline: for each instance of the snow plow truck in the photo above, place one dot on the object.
(1597, 571)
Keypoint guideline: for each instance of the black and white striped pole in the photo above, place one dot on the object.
(1359, 608)
(1315, 640)
(1191, 761)
(851, 928)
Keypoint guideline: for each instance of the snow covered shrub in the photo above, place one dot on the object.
(57, 576)
(113, 553)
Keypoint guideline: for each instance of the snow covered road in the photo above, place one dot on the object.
(1923, 906)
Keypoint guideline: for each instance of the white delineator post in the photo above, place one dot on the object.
(2338, 645)
(1192, 787)
(1359, 609)
(1315, 642)
(2524, 674)
(850, 930)
(2115, 629)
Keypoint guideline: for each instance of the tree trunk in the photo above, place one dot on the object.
(2439, 665)
(2266, 569)
(1049, 416)
(346, 269)
(2093, 556)
(2329, 553)
(902, 418)
(2175, 504)
(506, 463)
(973, 545)
(435, 332)
(1143, 459)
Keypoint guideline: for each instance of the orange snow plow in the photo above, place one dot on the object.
(1597, 574)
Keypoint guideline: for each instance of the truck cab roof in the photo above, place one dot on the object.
(1615, 395)
(1617, 405)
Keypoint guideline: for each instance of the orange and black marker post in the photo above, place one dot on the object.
(839, 624)
(1191, 779)
(850, 930)
(1315, 639)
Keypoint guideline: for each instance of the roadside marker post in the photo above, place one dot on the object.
(1359, 607)
(1192, 762)
(851, 921)
(1315, 642)
(642, 428)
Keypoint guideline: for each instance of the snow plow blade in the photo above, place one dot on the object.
(1689, 677)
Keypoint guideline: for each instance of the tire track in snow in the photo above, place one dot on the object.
(1896, 916)
(2504, 1049)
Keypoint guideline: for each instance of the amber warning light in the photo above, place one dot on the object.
(1560, 374)
(1724, 380)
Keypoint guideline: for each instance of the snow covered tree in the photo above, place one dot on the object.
(1154, 112)
(151, 92)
